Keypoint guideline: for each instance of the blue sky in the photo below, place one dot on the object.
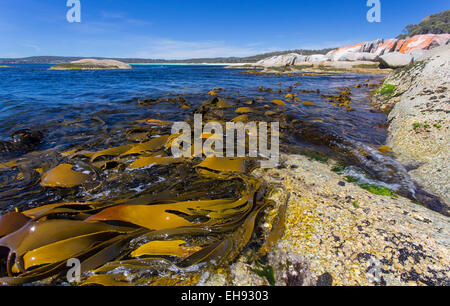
(175, 29)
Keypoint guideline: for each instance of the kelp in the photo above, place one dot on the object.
(63, 176)
(279, 102)
(152, 145)
(150, 161)
(223, 164)
(37, 234)
(154, 217)
(142, 217)
(308, 103)
(63, 249)
(111, 152)
(10, 222)
(244, 110)
(169, 248)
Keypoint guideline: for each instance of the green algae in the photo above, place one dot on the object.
(266, 272)
(351, 179)
(339, 168)
(387, 90)
(316, 156)
(379, 190)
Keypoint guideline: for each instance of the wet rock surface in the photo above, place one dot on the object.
(419, 122)
(344, 235)
(21, 141)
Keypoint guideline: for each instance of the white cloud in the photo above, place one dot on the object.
(327, 44)
(31, 46)
(175, 49)
(122, 17)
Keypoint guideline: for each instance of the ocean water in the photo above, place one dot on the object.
(33, 97)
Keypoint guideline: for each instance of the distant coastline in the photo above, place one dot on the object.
(190, 64)
(219, 60)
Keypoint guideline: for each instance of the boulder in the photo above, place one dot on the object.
(379, 47)
(424, 42)
(418, 54)
(395, 60)
(358, 56)
(347, 57)
(335, 55)
(300, 60)
(366, 56)
(315, 58)
(92, 64)
(372, 46)
(386, 47)
(282, 60)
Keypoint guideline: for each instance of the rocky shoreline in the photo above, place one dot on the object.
(418, 102)
(321, 229)
(365, 57)
(337, 233)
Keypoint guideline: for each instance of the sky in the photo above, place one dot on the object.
(179, 29)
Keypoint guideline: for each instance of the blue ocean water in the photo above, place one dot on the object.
(31, 95)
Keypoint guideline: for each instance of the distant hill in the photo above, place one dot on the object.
(66, 59)
(434, 24)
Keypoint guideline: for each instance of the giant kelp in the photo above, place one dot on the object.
(37, 242)
(135, 209)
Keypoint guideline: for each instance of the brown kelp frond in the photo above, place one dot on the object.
(130, 212)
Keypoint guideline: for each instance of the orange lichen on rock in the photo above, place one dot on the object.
(423, 42)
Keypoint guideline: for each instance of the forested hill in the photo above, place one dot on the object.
(433, 24)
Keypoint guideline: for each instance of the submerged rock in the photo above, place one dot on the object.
(21, 141)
